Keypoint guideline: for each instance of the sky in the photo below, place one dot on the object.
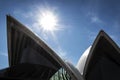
(78, 23)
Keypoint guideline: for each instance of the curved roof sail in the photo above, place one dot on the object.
(103, 62)
(81, 62)
(26, 49)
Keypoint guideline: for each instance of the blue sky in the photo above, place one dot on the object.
(79, 20)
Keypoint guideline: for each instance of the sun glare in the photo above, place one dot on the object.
(48, 21)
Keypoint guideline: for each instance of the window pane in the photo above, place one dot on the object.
(61, 74)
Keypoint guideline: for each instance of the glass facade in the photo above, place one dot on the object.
(61, 74)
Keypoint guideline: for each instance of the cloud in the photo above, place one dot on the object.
(34, 26)
(113, 37)
(92, 35)
(95, 19)
(3, 54)
(116, 26)
(61, 53)
(33, 16)
(64, 55)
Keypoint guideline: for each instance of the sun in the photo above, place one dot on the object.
(48, 21)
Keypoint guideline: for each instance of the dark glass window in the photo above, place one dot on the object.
(61, 74)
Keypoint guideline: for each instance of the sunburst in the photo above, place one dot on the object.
(48, 21)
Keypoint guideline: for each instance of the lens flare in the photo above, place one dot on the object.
(48, 21)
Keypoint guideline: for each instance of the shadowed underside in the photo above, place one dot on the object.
(29, 57)
(26, 48)
(103, 62)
